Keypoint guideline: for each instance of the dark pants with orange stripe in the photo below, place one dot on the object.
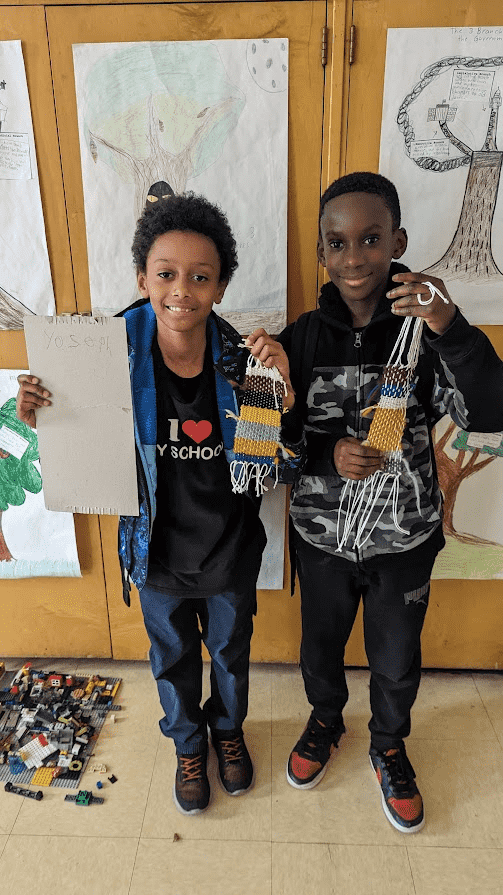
(395, 590)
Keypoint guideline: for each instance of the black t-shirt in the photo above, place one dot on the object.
(205, 539)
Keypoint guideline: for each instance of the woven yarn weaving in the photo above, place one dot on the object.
(258, 427)
(365, 501)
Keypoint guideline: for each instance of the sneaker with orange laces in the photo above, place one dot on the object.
(191, 790)
(309, 757)
(235, 768)
(401, 799)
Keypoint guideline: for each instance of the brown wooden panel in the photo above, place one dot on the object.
(59, 616)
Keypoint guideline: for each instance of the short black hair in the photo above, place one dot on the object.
(365, 182)
(185, 213)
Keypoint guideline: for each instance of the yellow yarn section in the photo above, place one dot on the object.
(260, 415)
(255, 448)
(386, 429)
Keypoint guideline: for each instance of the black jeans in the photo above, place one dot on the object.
(395, 591)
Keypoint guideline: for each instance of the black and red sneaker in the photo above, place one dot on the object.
(309, 757)
(401, 799)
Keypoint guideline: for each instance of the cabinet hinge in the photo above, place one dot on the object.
(352, 41)
(324, 45)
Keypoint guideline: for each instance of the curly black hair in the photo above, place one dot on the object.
(186, 213)
(365, 182)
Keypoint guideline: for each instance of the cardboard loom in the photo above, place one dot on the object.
(86, 438)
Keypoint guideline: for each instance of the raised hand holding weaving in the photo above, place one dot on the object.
(415, 298)
(272, 354)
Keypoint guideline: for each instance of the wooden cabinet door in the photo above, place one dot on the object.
(277, 630)
(50, 616)
(464, 624)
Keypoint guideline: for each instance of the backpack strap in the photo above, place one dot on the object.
(303, 347)
(304, 344)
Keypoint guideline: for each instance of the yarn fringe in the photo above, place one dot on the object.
(244, 471)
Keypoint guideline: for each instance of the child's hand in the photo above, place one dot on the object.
(355, 460)
(272, 354)
(438, 314)
(30, 397)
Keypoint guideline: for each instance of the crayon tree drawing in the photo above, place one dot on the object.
(17, 473)
(158, 119)
(23, 245)
(442, 147)
(469, 256)
(34, 542)
(461, 458)
(171, 122)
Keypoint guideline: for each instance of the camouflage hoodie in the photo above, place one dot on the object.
(458, 373)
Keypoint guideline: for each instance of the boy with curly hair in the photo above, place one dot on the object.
(194, 551)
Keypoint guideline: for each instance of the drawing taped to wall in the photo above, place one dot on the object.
(34, 542)
(471, 478)
(22, 235)
(440, 145)
(162, 118)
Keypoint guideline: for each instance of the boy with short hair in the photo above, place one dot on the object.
(337, 354)
(194, 551)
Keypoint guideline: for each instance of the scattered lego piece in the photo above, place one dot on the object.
(99, 785)
(34, 752)
(43, 776)
(176, 837)
(22, 791)
(16, 766)
(100, 768)
(113, 779)
(50, 718)
(84, 797)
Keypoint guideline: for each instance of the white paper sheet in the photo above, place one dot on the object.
(86, 437)
(442, 146)
(25, 275)
(40, 543)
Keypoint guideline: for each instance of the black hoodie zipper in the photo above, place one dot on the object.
(358, 349)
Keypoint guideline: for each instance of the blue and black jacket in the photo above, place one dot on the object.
(229, 362)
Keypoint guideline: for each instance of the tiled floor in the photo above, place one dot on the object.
(275, 840)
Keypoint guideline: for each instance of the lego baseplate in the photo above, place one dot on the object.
(51, 720)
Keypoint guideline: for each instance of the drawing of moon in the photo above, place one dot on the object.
(268, 64)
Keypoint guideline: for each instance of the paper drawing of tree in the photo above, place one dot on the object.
(159, 112)
(17, 473)
(469, 256)
(12, 311)
(475, 451)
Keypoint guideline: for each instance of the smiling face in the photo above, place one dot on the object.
(358, 242)
(182, 281)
